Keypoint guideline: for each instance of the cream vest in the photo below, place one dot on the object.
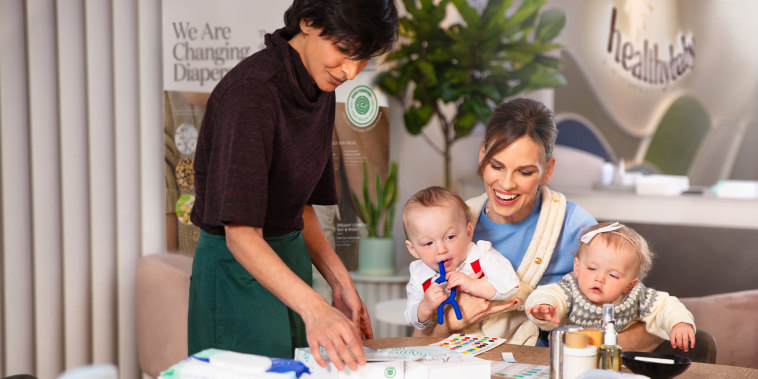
(513, 324)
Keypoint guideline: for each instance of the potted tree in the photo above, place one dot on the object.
(376, 252)
(470, 66)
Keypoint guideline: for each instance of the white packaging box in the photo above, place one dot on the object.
(662, 185)
(736, 189)
(372, 370)
(471, 368)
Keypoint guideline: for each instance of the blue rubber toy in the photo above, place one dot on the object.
(450, 299)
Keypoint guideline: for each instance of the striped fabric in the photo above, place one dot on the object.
(81, 186)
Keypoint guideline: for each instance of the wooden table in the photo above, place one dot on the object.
(540, 356)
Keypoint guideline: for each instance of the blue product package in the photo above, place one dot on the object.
(280, 365)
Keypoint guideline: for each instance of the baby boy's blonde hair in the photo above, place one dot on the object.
(434, 196)
(620, 238)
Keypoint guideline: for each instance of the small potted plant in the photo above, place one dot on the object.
(376, 252)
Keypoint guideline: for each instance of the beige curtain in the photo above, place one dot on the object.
(81, 191)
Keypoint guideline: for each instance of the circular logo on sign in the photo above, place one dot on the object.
(390, 372)
(362, 106)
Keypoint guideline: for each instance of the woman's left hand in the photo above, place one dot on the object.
(349, 303)
(475, 309)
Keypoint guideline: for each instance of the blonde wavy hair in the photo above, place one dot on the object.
(618, 239)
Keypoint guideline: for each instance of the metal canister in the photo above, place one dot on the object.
(557, 338)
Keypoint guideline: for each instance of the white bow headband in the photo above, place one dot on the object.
(587, 237)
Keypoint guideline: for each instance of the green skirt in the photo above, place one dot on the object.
(229, 309)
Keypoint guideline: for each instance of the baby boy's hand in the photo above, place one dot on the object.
(545, 312)
(682, 336)
(460, 280)
(433, 297)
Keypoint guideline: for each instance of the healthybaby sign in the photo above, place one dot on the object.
(203, 40)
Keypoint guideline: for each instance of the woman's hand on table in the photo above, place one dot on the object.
(328, 327)
(352, 306)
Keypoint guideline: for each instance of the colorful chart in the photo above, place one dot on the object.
(520, 371)
(470, 344)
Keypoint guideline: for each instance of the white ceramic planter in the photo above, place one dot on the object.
(376, 256)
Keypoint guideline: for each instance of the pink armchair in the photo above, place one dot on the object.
(162, 300)
(730, 319)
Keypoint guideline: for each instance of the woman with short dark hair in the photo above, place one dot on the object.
(263, 159)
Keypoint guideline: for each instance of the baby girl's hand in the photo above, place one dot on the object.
(682, 336)
(460, 280)
(545, 312)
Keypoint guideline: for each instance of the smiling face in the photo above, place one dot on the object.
(512, 178)
(602, 273)
(327, 61)
(438, 233)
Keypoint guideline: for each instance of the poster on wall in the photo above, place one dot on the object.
(202, 41)
(361, 133)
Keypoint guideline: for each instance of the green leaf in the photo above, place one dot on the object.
(388, 83)
(528, 25)
(547, 79)
(536, 47)
(425, 113)
(390, 187)
(464, 123)
(480, 108)
(412, 121)
(469, 14)
(548, 62)
(524, 73)
(366, 197)
(494, 14)
(448, 93)
(550, 25)
(362, 212)
(427, 69)
(412, 9)
(438, 54)
(519, 56)
(391, 195)
(527, 10)
(488, 90)
(379, 197)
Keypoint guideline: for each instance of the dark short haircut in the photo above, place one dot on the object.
(369, 27)
(434, 196)
(514, 119)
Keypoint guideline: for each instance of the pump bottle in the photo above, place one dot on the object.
(609, 353)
